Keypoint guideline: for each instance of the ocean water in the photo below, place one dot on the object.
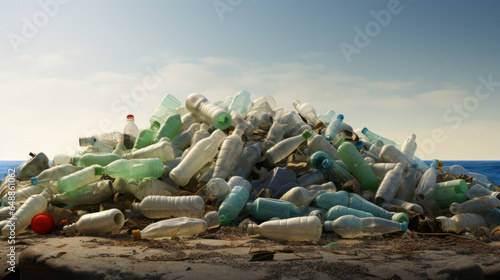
(491, 169)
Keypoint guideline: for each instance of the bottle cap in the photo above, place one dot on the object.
(130, 117)
(223, 220)
(136, 235)
(43, 223)
(251, 229)
(319, 125)
(98, 170)
(400, 218)
(306, 134)
(34, 181)
(404, 226)
(92, 140)
(340, 116)
(328, 137)
(359, 145)
(364, 130)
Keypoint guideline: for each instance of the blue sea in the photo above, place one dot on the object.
(491, 169)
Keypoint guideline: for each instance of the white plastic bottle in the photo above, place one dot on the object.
(381, 169)
(230, 150)
(202, 133)
(162, 150)
(97, 223)
(182, 226)
(406, 190)
(286, 147)
(389, 153)
(350, 226)
(215, 115)
(131, 128)
(317, 143)
(239, 181)
(35, 204)
(92, 194)
(293, 229)
(460, 222)
(389, 185)
(409, 146)
(427, 183)
(247, 160)
(21, 195)
(157, 206)
(478, 191)
(218, 187)
(477, 205)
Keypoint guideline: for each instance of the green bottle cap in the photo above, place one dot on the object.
(306, 134)
(223, 220)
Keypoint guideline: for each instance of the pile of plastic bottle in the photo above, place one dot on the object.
(295, 174)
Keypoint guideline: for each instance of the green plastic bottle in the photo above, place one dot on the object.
(328, 200)
(92, 158)
(170, 128)
(233, 204)
(78, 179)
(167, 107)
(144, 139)
(335, 173)
(358, 202)
(358, 166)
(133, 169)
(92, 194)
(266, 208)
(338, 211)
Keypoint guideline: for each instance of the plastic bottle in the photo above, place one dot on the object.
(97, 223)
(405, 204)
(233, 204)
(216, 116)
(358, 166)
(102, 159)
(183, 140)
(476, 205)
(78, 179)
(334, 172)
(459, 170)
(145, 187)
(21, 195)
(478, 191)
(202, 133)
(411, 178)
(133, 168)
(409, 147)
(461, 222)
(230, 150)
(492, 217)
(131, 128)
(328, 200)
(389, 153)
(144, 139)
(286, 147)
(358, 202)
(350, 226)
(167, 107)
(53, 174)
(427, 183)
(110, 139)
(91, 194)
(373, 136)
(157, 206)
(421, 165)
(307, 111)
(218, 187)
(162, 150)
(334, 128)
(34, 166)
(239, 181)
(240, 103)
(170, 128)
(275, 134)
(389, 185)
(445, 192)
(100, 146)
(183, 227)
(338, 211)
(264, 114)
(266, 208)
(327, 117)
(299, 196)
(249, 157)
(293, 229)
(317, 143)
(323, 188)
(35, 204)
(369, 156)
(202, 153)
(312, 178)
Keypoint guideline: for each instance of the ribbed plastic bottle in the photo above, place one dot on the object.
(170, 128)
(241, 103)
(334, 172)
(230, 150)
(247, 160)
(389, 153)
(183, 140)
(409, 147)
(307, 111)
(358, 202)
(338, 211)
(293, 229)
(202, 153)
(46, 177)
(476, 205)
(157, 206)
(317, 143)
(162, 150)
(35, 204)
(389, 185)
(334, 128)
(145, 187)
(286, 147)
(133, 168)
(182, 227)
(478, 191)
(275, 134)
(102, 159)
(266, 208)
(167, 107)
(216, 116)
(373, 136)
(358, 166)
(299, 196)
(100, 146)
(97, 223)
(461, 222)
(350, 226)
(312, 178)
(233, 204)
(91, 194)
(34, 166)
(328, 200)
(427, 183)
(144, 139)
(218, 188)
(78, 179)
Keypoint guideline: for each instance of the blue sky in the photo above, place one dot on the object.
(418, 73)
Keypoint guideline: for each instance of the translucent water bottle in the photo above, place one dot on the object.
(286, 147)
(334, 171)
(389, 153)
(461, 222)
(131, 128)
(78, 179)
(312, 178)
(21, 195)
(110, 139)
(478, 191)
(233, 204)
(162, 150)
(476, 205)
(218, 188)
(293, 229)
(409, 147)
(170, 128)
(307, 111)
(327, 117)
(266, 208)
(350, 226)
(167, 107)
(102, 159)
(91, 194)
(156, 206)
(97, 223)
(145, 187)
(34, 166)
(100, 146)
(275, 134)
(427, 183)
(328, 200)
(334, 128)
(239, 181)
(240, 103)
(35, 204)
(247, 160)
(144, 139)
(48, 176)
(230, 150)
(264, 113)
(338, 211)
(317, 143)
(183, 140)
(358, 202)
(216, 116)
(411, 178)
(358, 166)
(370, 135)
(133, 168)
(202, 153)
(299, 196)
(202, 133)
(404, 204)
(389, 185)
(182, 227)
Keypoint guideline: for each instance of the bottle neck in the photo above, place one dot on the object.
(70, 229)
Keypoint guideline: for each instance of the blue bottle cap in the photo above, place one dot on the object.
(340, 116)
(359, 145)
(414, 165)
(404, 226)
(328, 137)
(434, 163)
(364, 130)
(34, 181)
(92, 140)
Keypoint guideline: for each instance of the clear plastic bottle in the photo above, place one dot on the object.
(405, 204)
(187, 120)
(389, 185)
(97, 223)
(35, 204)
(46, 177)
(492, 217)
(157, 206)
(230, 150)
(264, 114)
(371, 157)
(338, 211)
(476, 205)
(334, 172)
(216, 116)
(328, 200)
(425, 188)
(218, 188)
(239, 181)
(202, 133)
(170, 128)
(461, 222)
(317, 143)
(323, 188)
(409, 147)
(389, 153)
(233, 204)
(102, 159)
(21, 195)
(34, 166)
(144, 139)
(247, 160)
(162, 150)
(131, 128)
(299, 196)
(78, 179)
(350, 226)
(358, 166)
(334, 128)
(202, 153)
(327, 117)
(307, 111)
(100, 146)
(275, 134)
(478, 191)
(145, 187)
(312, 178)
(110, 139)
(241, 103)
(422, 166)
(92, 194)
(358, 202)
(133, 168)
(286, 147)
(183, 140)
(167, 107)
(182, 226)
(293, 229)
(370, 135)
(459, 170)
(411, 178)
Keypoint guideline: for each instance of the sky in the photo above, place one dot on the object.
(74, 68)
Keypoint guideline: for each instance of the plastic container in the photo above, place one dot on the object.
(233, 204)
(133, 168)
(286, 147)
(100, 146)
(218, 188)
(145, 187)
(334, 172)
(370, 135)
(389, 185)
(202, 133)
(359, 203)
(334, 128)
(327, 187)
(275, 134)
(389, 153)
(307, 111)
(34, 166)
(202, 153)
(92, 158)
(183, 140)
(78, 179)
(162, 150)
(409, 147)
(312, 178)
(358, 166)
(182, 227)
(131, 128)
(156, 206)
(327, 117)
(167, 107)
(241, 103)
(230, 150)
(294, 229)
(350, 226)
(328, 200)
(476, 205)
(170, 128)
(247, 160)
(97, 223)
(239, 181)
(92, 194)
(427, 183)
(110, 139)
(405, 204)
(478, 191)
(217, 117)
(299, 196)
(317, 143)
(266, 208)
(48, 176)
(461, 222)
(492, 217)
(338, 211)
(144, 139)
(21, 196)
(406, 190)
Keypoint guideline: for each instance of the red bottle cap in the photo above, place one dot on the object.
(43, 223)
(130, 116)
